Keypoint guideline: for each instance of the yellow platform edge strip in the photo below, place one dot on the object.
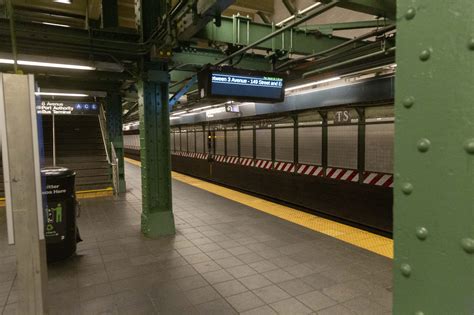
(360, 238)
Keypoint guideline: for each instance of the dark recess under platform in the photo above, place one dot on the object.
(365, 206)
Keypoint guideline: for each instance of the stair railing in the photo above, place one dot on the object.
(113, 162)
(115, 168)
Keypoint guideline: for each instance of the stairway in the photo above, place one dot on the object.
(79, 146)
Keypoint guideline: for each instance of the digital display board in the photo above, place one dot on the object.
(67, 108)
(238, 84)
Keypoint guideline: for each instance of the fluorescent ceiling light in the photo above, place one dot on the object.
(300, 12)
(178, 113)
(63, 1)
(55, 24)
(46, 64)
(200, 108)
(61, 94)
(311, 84)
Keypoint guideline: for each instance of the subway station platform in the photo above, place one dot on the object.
(226, 258)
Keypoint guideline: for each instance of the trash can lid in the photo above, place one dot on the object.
(57, 171)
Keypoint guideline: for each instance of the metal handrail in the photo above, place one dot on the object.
(102, 123)
(115, 168)
(113, 162)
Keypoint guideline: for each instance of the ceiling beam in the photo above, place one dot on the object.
(298, 42)
(328, 29)
(382, 8)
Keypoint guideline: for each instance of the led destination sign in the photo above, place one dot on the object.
(239, 84)
(246, 86)
(67, 108)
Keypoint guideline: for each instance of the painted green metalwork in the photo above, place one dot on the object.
(327, 29)
(434, 158)
(248, 32)
(157, 210)
(324, 141)
(361, 131)
(114, 128)
(384, 8)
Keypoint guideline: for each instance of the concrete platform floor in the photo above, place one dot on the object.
(226, 258)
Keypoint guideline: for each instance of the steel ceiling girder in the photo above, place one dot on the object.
(299, 42)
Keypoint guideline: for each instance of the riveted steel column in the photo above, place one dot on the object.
(434, 158)
(361, 143)
(324, 141)
(114, 128)
(157, 212)
(295, 141)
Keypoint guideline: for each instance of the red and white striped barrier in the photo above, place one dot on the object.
(246, 161)
(284, 167)
(232, 160)
(311, 170)
(342, 174)
(263, 164)
(370, 178)
(378, 179)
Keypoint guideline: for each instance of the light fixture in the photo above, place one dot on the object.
(55, 24)
(311, 84)
(63, 1)
(172, 118)
(47, 64)
(300, 12)
(178, 113)
(200, 108)
(61, 94)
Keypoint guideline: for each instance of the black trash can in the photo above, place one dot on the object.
(60, 213)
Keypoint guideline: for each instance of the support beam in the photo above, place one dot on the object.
(157, 211)
(328, 29)
(382, 8)
(434, 159)
(109, 13)
(185, 89)
(298, 42)
(114, 128)
(21, 166)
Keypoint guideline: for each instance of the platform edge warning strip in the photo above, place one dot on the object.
(348, 234)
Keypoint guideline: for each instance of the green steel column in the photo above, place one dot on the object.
(114, 129)
(324, 141)
(361, 127)
(157, 212)
(434, 158)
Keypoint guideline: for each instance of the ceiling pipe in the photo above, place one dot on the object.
(264, 17)
(290, 7)
(320, 9)
(346, 62)
(349, 42)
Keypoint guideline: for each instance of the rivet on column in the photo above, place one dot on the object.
(407, 188)
(410, 14)
(425, 54)
(468, 245)
(409, 101)
(405, 269)
(422, 233)
(423, 145)
(470, 44)
(469, 146)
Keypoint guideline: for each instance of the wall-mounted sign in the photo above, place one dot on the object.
(67, 108)
(342, 117)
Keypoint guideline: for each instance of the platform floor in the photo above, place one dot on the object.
(226, 258)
